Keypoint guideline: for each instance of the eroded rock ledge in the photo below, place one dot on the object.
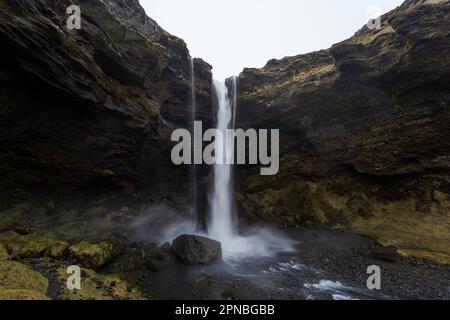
(94, 105)
(365, 131)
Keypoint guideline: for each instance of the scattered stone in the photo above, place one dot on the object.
(155, 258)
(194, 250)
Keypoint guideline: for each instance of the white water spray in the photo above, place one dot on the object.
(221, 226)
(193, 168)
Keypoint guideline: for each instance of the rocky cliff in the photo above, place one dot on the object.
(94, 105)
(365, 129)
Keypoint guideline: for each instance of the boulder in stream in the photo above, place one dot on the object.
(193, 250)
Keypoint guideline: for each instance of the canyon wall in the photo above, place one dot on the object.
(95, 105)
(365, 132)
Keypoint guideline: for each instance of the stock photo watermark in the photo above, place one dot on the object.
(374, 281)
(374, 14)
(74, 19)
(74, 278)
(228, 148)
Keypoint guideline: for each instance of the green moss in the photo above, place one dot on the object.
(148, 106)
(82, 230)
(14, 216)
(35, 245)
(17, 276)
(95, 256)
(20, 294)
(230, 293)
(3, 252)
(109, 85)
(98, 287)
(72, 46)
(97, 11)
(293, 202)
(415, 234)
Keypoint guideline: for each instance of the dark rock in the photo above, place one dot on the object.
(155, 264)
(368, 117)
(191, 249)
(91, 105)
(386, 254)
(166, 247)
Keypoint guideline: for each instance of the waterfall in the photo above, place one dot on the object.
(194, 213)
(221, 224)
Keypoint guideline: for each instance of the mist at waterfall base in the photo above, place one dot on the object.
(261, 257)
(222, 215)
(222, 225)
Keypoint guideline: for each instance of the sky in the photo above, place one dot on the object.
(234, 34)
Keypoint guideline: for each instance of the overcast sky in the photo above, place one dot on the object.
(233, 34)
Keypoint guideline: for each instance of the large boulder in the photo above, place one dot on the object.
(194, 250)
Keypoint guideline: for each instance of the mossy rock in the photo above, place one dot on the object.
(3, 252)
(13, 216)
(35, 245)
(97, 287)
(360, 205)
(415, 234)
(17, 276)
(95, 256)
(20, 294)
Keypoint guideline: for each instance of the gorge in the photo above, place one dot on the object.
(86, 118)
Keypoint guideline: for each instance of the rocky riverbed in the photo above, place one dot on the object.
(119, 262)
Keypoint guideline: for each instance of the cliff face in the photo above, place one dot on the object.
(365, 130)
(90, 105)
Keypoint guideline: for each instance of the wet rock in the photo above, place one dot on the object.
(155, 258)
(95, 256)
(190, 249)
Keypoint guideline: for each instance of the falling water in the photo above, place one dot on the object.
(221, 223)
(194, 169)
